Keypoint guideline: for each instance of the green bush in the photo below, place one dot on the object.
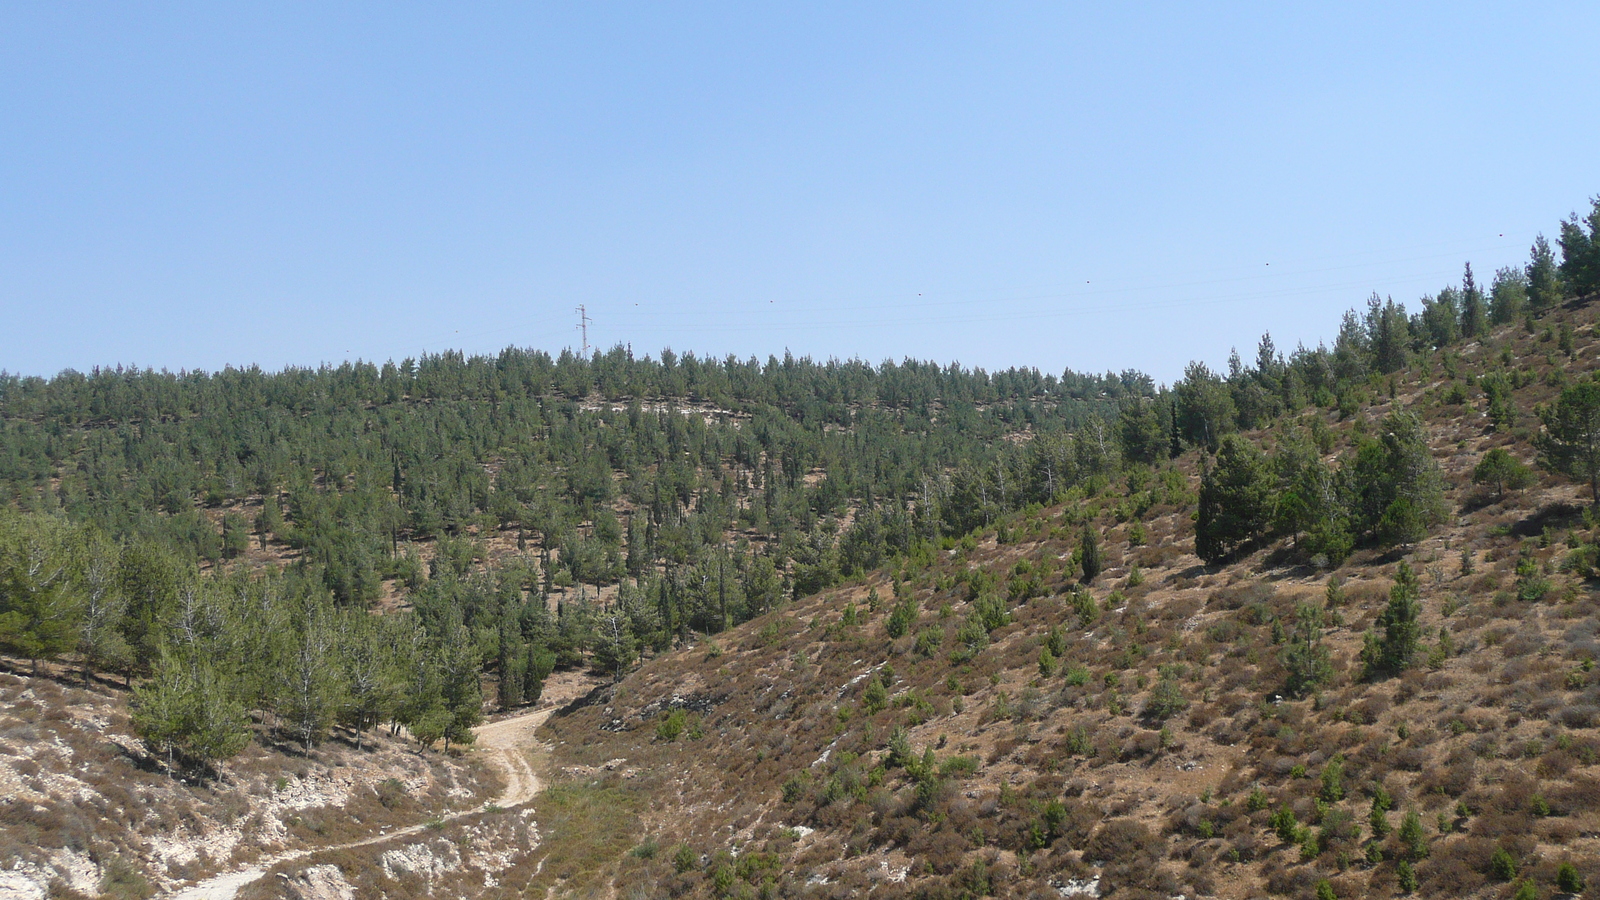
(875, 698)
(683, 859)
(1283, 823)
(1568, 878)
(1502, 865)
(1333, 780)
(794, 787)
(1407, 876)
(1412, 839)
(671, 725)
(1165, 701)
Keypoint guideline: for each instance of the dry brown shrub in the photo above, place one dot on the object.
(943, 850)
(1559, 831)
(1298, 881)
(1578, 715)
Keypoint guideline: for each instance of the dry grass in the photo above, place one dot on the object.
(784, 779)
(1492, 724)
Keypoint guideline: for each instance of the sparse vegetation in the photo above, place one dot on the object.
(1309, 628)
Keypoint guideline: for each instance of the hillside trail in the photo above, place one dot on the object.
(506, 743)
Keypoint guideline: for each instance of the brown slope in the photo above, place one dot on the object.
(1047, 785)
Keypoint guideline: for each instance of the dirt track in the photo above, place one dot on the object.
(507, 744)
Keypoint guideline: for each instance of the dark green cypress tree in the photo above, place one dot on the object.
(1090, 557)
(1474, 310)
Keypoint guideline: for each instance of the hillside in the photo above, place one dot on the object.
(813, 753)
(1322, 625)
(87, 813)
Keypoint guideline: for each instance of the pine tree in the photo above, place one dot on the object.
(1306, 661)
(512, 662)
(1235, 500)
(368, 670)
(1393, 487)
(1502, 470)
(40, 603)
(101, 644)
(310, 691)
(1508, 295)
(1394, 652)
(1204, 410)
(1440, 320)
(539, 664)
(1570, 442)
(456, 660)
(615, 646)
(1544, 278)
(1142, 432)
(1502, 411)
(1580, 252)
(1413, 840)
(184, 713)
(1388, 333)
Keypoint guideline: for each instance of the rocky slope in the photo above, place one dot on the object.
(85, 813)
(820, 751)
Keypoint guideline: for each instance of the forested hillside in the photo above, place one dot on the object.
(1349, 653)
(985, 630)
(175, 515)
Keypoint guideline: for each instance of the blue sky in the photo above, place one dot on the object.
(1050, 185)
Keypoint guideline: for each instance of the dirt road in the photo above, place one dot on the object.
(507, 742)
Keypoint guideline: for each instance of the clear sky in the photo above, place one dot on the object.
(1093, 186)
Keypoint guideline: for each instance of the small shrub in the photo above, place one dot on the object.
(1502, 865)
(1569, 879)
(1079, 742)
(1333, 780)
(683, 859)
(1412, 839)
(1165, 701)
(391, 793)
(671, 725)
(123, 881)
(1407, 876)
(958, 767)
(875, 698)
(1047, 662)
(1283, 824)
(794, 787)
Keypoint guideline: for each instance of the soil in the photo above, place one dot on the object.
(509, 744)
